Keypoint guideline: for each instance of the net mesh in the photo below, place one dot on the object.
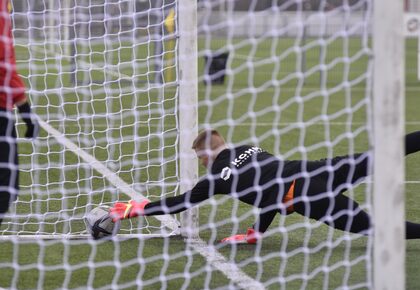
(292, 77)
(96, 72)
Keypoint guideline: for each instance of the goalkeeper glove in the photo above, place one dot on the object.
(251, 237)
(122, 210)
(32, 126)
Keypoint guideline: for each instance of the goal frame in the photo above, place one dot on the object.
(188, 107)
(388, 126)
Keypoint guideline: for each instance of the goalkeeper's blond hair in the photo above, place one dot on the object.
(208, 139)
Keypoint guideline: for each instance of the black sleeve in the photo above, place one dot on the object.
(176, 204)
(264, 220)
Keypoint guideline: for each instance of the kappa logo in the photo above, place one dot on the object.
(226, 173)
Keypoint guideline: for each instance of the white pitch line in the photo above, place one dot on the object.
(108, 174)
(216, 259)
(220, 263)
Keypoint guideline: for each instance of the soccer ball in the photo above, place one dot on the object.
(99, 223)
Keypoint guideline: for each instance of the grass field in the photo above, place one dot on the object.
(117, 118)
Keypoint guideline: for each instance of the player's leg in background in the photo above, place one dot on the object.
(9, 173)
(4, 203)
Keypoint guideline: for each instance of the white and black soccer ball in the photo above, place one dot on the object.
(99, 223)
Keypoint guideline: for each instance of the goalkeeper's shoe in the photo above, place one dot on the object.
(122, 210)
(251, 237)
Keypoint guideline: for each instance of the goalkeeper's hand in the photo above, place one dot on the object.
(122, 210)
(251, 237)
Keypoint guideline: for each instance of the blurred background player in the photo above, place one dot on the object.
(12, 93)
(310, 188)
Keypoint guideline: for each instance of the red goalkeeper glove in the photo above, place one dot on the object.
(251, 237)
(122, 210)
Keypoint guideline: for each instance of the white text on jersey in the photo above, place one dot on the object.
(245, 155)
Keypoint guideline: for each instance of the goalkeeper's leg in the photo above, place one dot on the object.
(412, 142)
(352, 169)
(341, 212)
(335, 210)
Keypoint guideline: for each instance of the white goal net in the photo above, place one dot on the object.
(101, 77)
(116, 88)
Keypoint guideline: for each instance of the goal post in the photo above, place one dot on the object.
(188, 106)
(388, 169)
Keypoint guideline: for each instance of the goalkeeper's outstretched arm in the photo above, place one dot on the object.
(236, 170)
(169, 205)
(175, 204)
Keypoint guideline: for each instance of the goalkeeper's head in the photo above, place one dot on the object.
(207, 145)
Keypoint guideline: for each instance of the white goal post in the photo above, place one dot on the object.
(388, 168)
(122, 87)
(188, 108)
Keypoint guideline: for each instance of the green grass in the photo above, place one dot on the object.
(112, 114)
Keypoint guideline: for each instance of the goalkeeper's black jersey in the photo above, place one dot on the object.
(248, 173)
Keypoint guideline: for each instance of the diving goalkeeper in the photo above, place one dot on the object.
(311, 188)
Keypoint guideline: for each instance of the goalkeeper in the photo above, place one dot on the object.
(311, 188)
(12, 93)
